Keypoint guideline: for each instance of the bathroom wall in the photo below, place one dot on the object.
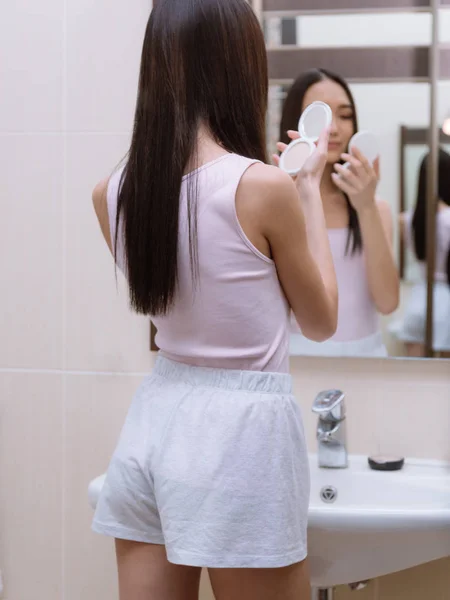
(71, 354)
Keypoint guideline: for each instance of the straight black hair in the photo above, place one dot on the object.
(203, 62)
(292, 111)
(419, 222)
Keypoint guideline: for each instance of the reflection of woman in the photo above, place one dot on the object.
(211, 469)
(414, 231)
(359, 225)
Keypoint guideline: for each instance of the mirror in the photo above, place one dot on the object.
(413, 169)
(382, 51)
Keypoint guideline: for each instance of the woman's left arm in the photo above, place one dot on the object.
(359, 182)
(377, 233)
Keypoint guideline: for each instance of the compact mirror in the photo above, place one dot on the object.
(315, 118)
(366, 143)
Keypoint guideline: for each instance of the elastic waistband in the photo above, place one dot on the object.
(227, 379)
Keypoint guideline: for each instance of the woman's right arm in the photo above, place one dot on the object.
(294, 225)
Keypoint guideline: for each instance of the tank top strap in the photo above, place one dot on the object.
(224, 178)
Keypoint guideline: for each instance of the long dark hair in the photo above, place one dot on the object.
(292, 110)
(419, 222)
(203, 62)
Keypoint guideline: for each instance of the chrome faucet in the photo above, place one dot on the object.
(331, 429)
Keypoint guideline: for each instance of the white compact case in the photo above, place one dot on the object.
(366, 143)
(315, 118)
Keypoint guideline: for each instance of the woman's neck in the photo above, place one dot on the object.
(207, 149)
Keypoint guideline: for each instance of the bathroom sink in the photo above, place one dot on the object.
(364, 523)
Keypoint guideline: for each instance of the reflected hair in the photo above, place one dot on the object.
(292, 111)
(203, 63)
(419, 221)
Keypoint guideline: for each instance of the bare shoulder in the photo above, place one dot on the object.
(99, 194)
(99, 199)
(266, 189)
(267, 179)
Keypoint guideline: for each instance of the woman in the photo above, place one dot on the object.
(359, 224)
(413, 227)
(211, 468)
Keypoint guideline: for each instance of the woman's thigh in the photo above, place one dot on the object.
(287, 583)
(146, 574)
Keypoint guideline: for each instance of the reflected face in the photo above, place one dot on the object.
(342, 128)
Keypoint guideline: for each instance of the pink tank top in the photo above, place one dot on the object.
(237, 317)
(357, 314)
(442, 243)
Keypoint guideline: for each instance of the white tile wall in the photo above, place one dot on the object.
(68, 81)
(31, 66)
(31, 250)
(31, 430)
(101, 333)
(104, 42)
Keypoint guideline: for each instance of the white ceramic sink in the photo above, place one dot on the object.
(379, 522)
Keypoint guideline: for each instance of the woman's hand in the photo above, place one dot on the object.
(312, 170)
(359, 180)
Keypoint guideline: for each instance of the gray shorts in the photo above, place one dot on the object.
(212, 464)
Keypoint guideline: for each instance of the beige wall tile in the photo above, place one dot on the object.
(31, 69)
(95, 411)
(104, 40)
(414, 421)
(31, 485)
(102, 333)
(427, 581)
(31, 248)
(393, 406)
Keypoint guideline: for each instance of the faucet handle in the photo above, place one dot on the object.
(327, 401)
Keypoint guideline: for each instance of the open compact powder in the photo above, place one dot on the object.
(315, 118)
(298, 154)
(366, 143)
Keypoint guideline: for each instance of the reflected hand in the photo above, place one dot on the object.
(359, 180)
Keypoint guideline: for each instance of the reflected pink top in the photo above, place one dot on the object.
(238, 316)
(357, 314)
